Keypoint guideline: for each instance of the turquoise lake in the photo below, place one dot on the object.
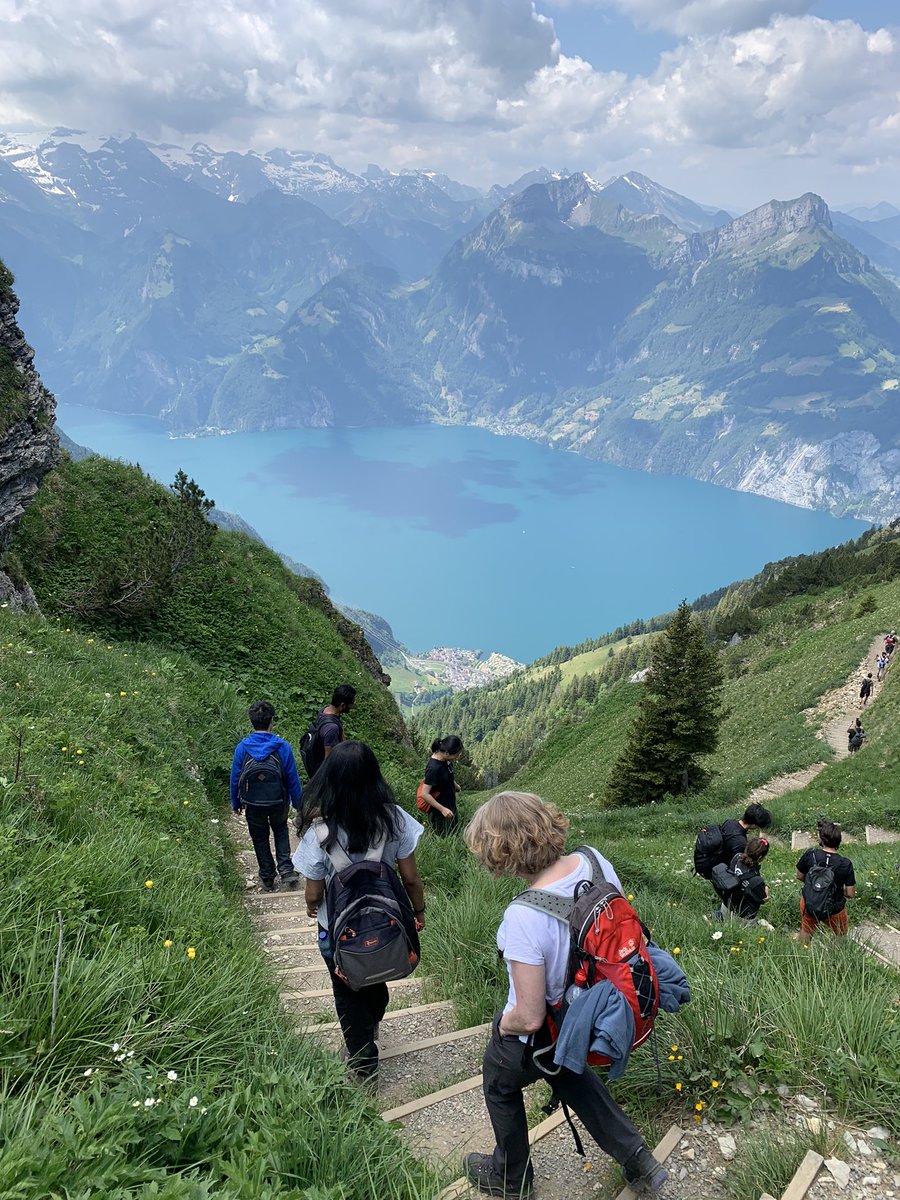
(462, 538)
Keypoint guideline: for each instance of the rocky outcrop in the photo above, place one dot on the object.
(29, 446)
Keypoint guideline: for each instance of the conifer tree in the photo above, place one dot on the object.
(677, 721)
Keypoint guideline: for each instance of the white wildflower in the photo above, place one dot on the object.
(194, 1101)
(171, 1076)
(89, 1072)
(115, 1047)
(120, 1058)
(150, 1101)
(135, 1104)
(717, 935)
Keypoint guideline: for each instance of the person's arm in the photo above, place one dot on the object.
(530, 1011)
(408, 871)
(291, 776)
(850, 885)
(236, 763)
(313, 894)
(433, 801)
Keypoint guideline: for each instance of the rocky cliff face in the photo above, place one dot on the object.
(29, 445)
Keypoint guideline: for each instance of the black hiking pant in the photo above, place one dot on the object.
(263, 819)
(359, 1014)
(508, 1069)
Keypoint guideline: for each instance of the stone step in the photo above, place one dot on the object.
(430, 1063)
(399, 1025)
(403, 994)
(283, 957)
(560, 1173)
(298, 932)
(308, 977)
(284, 923)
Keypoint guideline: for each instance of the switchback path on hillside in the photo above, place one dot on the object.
(832, 714)
(430, 1082)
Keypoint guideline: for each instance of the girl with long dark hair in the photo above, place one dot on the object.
(440, 787)
(356, 805)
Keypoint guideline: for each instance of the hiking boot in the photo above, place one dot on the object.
(267, 885)
(291, 881)
(643, 1174)
(480, 1171)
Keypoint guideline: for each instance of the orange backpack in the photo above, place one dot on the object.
(421, 803)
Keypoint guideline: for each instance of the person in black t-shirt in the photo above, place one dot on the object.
(746, 900)
(844, 883)
(440, 788)
(734, 833)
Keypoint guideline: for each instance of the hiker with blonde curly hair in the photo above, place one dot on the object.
(518, 834)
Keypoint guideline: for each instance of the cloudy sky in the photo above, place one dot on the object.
(730, 101)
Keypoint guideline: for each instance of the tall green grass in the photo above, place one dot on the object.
(170, 1069)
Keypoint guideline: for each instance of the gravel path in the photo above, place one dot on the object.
(429, 1070)
(450, 1129)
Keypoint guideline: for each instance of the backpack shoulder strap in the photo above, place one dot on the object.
(593, 862)
(339, 857)
(550, 903)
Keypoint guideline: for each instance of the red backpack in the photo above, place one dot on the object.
(607, 941)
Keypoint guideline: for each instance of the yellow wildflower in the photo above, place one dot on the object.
(715, 1083)
(699, 1106)
(64, 749)
(677, 950)
(191, 952)
(148, 883)
(168, 944)
(678, 1087)
(674, 1048)
(671, 1058)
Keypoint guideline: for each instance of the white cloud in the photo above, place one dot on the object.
(686, 17)
(479, 89)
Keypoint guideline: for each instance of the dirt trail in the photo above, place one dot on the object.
(833, 713)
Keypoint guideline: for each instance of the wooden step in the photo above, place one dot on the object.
(285, 922)
(804, 1176)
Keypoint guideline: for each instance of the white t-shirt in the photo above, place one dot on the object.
(528, 936)
(313, 863)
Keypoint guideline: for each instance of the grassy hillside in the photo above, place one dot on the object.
(766, 1012)
(121, 709)
(804, 647)
(168, 1069)
(100, 531)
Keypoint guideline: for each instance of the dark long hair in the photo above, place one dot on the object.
(352, 795)
(451, 744)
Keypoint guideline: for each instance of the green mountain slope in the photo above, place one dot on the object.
(761, 355)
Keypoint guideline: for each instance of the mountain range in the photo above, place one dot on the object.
(223, 291)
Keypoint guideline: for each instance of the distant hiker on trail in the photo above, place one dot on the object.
(856, 735)
(517, 834)
(890, 644)
(717, 844)
(828, 883)
(438, 790)
(264, 785)
(865, 690)
(348, 857)
(740, 886)
(880, 664)
(326, 730)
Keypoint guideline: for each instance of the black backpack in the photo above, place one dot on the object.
(820, 890)
(312, 749)
(370, 919)
(708, 850)
(261, 781)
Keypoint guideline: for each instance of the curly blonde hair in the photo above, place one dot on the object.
(517, 833)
